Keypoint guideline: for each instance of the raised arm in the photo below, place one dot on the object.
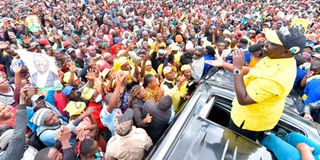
(15, 149)
(115, 98)
(17, 83)
(228, 66)
(72, 69)
(240, 88)
(63, 136)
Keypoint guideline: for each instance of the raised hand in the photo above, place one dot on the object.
(168, 51)
(181, 80)
(32, 91)
(81, 135)
(63, 136)
(122, 77)
(90, 74)
(16, 69)
(148, 119)
(24, 91)
(238, 59)
(132, 46)
(72, 67)
(146, 57)
(88, 112)
(4, 45)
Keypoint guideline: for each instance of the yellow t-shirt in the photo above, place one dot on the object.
(177, 57)
(183, 88)
(153, 46)
(253, 62)
(268, 84)
(167, 90)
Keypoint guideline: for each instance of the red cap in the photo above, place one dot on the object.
(66, 44)
(44, 42)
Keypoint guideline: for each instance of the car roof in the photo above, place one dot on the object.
(192, 136)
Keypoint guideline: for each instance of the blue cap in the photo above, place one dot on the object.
(117, 39)
(67, 90)
(99, 40)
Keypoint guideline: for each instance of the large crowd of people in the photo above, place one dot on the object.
(103, 79)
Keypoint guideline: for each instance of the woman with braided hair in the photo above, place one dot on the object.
(136, 102)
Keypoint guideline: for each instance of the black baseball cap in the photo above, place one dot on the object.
(255, 48)
(290, 38)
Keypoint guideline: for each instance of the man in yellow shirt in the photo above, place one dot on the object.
(261, 91)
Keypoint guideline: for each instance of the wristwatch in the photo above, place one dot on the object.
(237, 72)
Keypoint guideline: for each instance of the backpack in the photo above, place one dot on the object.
(35, 141)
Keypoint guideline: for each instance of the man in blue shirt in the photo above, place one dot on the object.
(300, 74)
(312, 83)
(312, 91)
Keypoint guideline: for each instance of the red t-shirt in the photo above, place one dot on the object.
(60, 101)
(114, 49)
(96, 114)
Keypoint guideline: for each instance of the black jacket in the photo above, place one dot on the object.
(186, 59)
(156, 61)
(156, 128)
(136, 105)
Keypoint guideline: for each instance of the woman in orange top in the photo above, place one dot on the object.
(154, 92)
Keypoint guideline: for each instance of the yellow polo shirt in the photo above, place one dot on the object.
(268, 84)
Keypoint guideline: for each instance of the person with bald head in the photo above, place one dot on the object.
(145, 37)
